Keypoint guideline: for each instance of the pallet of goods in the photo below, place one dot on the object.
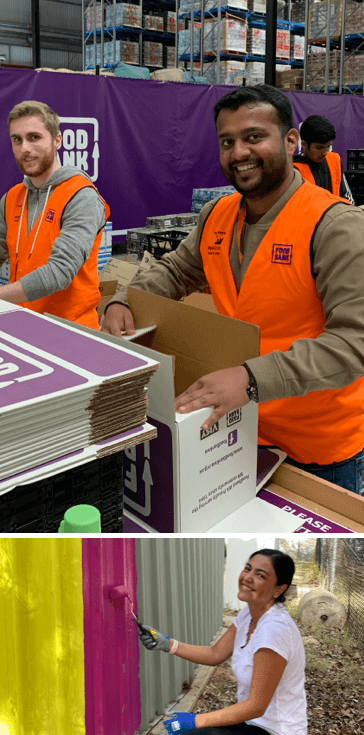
(316, 69)
(152, 53)
(354, 18)
(126, 14)
(317, 20)
(90, 17)
(289, 79)
(153, 23)
(297, 47)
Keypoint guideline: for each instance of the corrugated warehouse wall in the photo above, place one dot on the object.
(60, 33)
(180, 592)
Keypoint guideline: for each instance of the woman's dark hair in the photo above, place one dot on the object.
(316, 129)
(283, 566)
(259, 93)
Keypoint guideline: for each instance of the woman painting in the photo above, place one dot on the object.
(267, 658)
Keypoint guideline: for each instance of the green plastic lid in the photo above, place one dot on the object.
(81, 519)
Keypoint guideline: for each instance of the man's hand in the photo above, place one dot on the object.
(118, 320)
(225, 390)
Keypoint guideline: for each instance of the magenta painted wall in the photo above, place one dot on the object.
(112, 690)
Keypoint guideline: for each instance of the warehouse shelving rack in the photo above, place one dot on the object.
(96, 37)
(329, 38)
(254, 19)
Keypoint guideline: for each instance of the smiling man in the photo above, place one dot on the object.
(318, 164)
(288, 256)
(50, 224)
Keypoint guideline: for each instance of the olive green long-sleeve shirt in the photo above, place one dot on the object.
(336, 357)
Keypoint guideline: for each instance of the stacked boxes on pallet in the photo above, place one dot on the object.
(184, 40)
(316, 69)
(231, 72)
(152, 53)
(298, 12)
(126, 14)
(90, 17)
(354, 18)
(260, 6)
(317, 19)
(354, 69)
(125, 51)
(170, 22)
(289, 79)
(297, 47)
(153, 23)
(169, 58)
(256, 42)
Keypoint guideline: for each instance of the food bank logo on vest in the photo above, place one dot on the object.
(80, 144)
(282, 254)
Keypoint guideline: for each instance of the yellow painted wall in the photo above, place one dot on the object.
(41, 637)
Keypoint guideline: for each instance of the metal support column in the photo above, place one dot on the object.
(35, 34)
(304, 84)
(271, 43)
(177, 33)
(218, 50)
(342, 46)
(327, 59)
(202, 37)
(192, 28)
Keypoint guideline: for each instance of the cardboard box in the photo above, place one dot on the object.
(187, 480)
(317, 496)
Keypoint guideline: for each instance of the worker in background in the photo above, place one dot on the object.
(318, 164)
(288, 256)
(50, 224)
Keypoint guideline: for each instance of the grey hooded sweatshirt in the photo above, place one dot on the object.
(82, 219)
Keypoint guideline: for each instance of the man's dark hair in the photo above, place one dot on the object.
(317, 129)
(258, 94)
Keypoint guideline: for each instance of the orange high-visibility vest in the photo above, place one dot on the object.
(334, 163)
(78, 301)
(278, 294)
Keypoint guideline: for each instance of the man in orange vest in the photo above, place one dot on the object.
(288, 256)
(317, 163)
(51, 224)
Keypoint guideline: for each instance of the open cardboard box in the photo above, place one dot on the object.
(187, 480)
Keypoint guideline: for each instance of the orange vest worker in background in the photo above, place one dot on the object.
(317, 163)
(51, 224)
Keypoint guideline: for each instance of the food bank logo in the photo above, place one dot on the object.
(80, 144)
(19, 366)
(282, 254)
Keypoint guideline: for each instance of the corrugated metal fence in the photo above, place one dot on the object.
(180, 592)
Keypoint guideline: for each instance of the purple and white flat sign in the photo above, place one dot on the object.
(311, 522)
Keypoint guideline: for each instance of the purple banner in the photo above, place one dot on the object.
(147, 144)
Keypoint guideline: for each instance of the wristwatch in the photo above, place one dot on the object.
(252, 390)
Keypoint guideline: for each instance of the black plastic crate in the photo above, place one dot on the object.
(355, 180)
(164, 241)
(40, 506)
(355, 159)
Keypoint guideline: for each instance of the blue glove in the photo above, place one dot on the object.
(181, 722)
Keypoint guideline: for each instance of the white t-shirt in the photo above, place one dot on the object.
(286, 713)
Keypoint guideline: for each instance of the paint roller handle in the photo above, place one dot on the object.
(152, 639)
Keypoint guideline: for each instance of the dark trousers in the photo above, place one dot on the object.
(242, 729)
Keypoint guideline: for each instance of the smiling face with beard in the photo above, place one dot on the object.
(34, 148)
(254, 156)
